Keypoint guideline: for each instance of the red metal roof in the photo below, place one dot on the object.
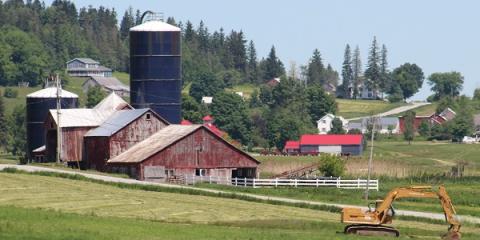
(292, 145)
(207, 118)
(214, 129)
(331, 139)
(185, 122)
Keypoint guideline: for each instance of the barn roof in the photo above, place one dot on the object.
(292, 145)
(85, 117)
(160, 141)
(331, 139)
(109, 82)
(117, 121)
(154, 26)
(51, 92)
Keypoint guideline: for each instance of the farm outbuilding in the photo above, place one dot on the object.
(348, 144)
(75, 123)
(292, 147)
(118, 133)
(178, 150)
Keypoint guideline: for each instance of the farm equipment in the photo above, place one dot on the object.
(372, 221)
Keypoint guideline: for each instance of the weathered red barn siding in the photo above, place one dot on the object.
(134, 133)
(416, 123)
(184, 156)
(97, 152)
(100, 148)
(72, 143)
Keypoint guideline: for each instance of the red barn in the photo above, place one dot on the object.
(118, 133)
(349, 144)
(292, 147)
(179, 150)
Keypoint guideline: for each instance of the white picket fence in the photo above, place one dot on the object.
(278, 182)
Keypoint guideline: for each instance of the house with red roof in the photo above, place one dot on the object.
(347, 144)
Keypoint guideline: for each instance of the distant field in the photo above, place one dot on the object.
(348, 108)
(68, 209)
(123, 77)
(10, 103)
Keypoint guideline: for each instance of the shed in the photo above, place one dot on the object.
(349, 144)
(108, 84)
(179, 150)
(75, 123)
(118, 133)
(292, 147)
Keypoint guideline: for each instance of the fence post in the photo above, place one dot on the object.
(210, 179)
(317, 183)
(236, 181)
(377, 185)
(276, 182)
(295, 182)
(253, 183)
(245, 182)
(358, 182)
(338, 182)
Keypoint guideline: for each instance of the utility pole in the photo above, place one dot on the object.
(374, 120)
(59, 102)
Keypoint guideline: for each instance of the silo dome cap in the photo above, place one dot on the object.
(51, 92)
(155, 26)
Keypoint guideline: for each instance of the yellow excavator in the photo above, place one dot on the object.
(373, 220)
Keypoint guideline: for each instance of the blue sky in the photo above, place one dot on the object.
(437, 35)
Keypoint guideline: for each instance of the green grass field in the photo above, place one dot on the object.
(10, 103)
(123, 77)
(40, 207)
(247, 89)
(348, 108)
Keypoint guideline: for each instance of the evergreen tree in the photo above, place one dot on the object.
(357, 72)
(138, 17)
(462, 125)
(319, 102)
(316, 70)
(191, 109)
(236, 46)
(17, 137)
(385, 82)
(127, 22)
(189, 34)
(273, 66)
(347, 73)
(252, 63)
(372, 73)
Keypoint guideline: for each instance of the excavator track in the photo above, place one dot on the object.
(371, 230)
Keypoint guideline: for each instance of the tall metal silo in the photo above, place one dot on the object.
(38, 105)
(155, 68)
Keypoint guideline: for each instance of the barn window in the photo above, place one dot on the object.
(148, 116)
(200, 172)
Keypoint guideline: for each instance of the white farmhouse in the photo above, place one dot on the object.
(324, 124)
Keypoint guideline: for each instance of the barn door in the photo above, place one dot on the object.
(154, 173)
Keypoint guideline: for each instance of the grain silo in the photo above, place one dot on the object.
(38, 105)
(155, 68)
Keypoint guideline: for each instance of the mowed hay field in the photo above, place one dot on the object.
(40, 207)
(348, 108)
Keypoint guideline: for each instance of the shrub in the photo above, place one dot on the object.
(332, 165)
(10, 93)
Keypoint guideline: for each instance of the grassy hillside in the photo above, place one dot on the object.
(10, 103)
(70, 209)
(348, 108)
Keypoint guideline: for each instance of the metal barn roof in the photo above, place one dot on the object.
(85, 117)
(116, 122)
(156, 143)
(51, 92)
(292, 145)
(331, 139)
(155, 26)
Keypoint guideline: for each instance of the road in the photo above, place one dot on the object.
(428, 215)
(396, 110)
